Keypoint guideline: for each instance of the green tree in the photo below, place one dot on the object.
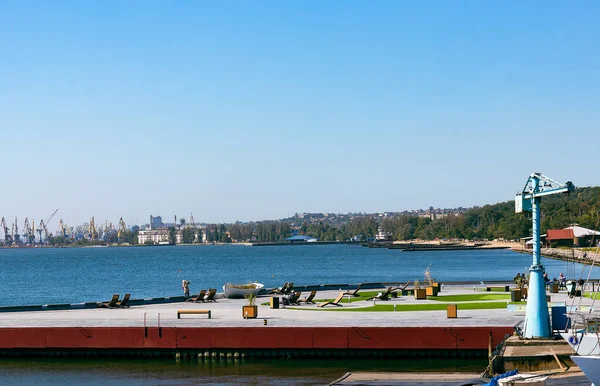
(172, 235)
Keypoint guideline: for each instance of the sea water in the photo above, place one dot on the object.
(76, 275)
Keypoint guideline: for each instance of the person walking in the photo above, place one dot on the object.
(186, 288)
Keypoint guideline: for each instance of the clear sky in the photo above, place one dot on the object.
(249, 110)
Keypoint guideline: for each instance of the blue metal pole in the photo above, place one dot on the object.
(537, 319)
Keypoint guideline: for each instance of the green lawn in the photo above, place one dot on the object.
(417, 307)
(470, 297)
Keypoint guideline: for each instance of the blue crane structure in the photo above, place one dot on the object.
(537, 319)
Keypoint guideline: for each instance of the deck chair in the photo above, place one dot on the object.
(123, 303)
(211, 295)
(353, 293)
(383, 296)
(401, 288)
(112, 303)
(199, 298)
(280, 290)
(335, 302)
(309, 299)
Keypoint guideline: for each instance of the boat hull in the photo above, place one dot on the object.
(590, 365)
(233, 291)
(583, 343)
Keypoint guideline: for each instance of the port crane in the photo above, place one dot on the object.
(92, 230)
(537, 319)
(122, 229)
(43, 229)
(15, 232)
(63, 230)
(29, 232)
(7, 235)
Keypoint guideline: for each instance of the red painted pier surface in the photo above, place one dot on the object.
(247, 338)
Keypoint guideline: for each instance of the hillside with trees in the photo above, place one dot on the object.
(497, 221)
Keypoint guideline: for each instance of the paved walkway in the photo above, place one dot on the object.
(228, 313)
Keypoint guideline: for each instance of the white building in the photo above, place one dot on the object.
(158, 236)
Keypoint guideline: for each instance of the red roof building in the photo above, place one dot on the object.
(560, 234)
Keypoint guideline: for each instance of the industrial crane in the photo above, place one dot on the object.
(7, 235)
(42, 228)
(63, 230)
(122, 229)
(47, 221)
(15, 232)
(537, 319)
(28, 233)
(92, 230)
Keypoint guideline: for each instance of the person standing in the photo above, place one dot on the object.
(186, 288)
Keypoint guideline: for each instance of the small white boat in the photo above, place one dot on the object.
(241, 290)
(590, 365)
(523, 380)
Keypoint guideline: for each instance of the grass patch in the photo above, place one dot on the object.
(421, 307)
(470, 297)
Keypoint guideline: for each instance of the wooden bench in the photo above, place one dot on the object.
(179, 312)
(505, 288)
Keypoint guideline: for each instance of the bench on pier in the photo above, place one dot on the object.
(504, 288)
(187, 312)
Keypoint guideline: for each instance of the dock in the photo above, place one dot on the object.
(149, 329)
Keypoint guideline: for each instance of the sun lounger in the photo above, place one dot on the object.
(335, 302)
(281, 290)
(211, 295)
(199, 298)
(309, 299)
(353, 293)
(112, 303)
(383, 296)
(123, 303)
(401, 288)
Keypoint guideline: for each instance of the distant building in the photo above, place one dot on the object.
(573, 236)
(156, 222)
(158, 236)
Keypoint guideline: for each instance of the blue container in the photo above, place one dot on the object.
(560, 321)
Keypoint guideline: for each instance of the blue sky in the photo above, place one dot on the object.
(257, 110)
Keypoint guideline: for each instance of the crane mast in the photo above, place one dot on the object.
(537, 319)
(15, 232)
(122, 229)
(7, 235)
(92, 230)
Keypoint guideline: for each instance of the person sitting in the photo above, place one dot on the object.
(517, 279)
(562, 281)
(546, 278)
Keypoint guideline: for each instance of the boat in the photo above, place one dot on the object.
(583, 342)
(241, 290)
(523, 380)
(590, 365)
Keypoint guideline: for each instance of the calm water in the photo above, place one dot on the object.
(152, 372)
(74, 275)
